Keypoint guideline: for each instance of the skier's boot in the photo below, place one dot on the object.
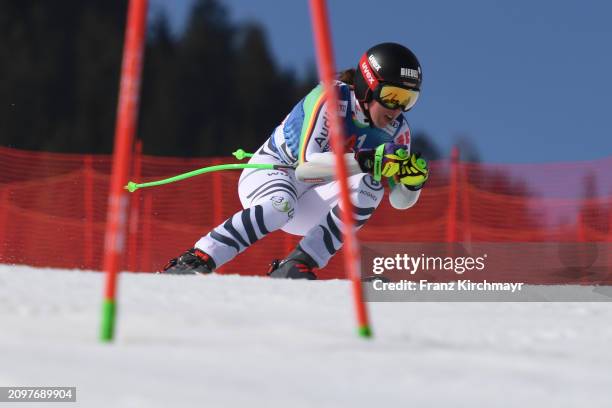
(192, 262)
(298, 265)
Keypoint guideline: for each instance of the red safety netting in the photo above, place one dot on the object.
(53, 209)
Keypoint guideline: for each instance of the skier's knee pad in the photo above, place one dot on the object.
(277, 209)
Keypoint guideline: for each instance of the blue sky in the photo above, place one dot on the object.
(526, 80)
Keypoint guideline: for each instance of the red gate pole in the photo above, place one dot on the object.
(326, 66)
(127, 113)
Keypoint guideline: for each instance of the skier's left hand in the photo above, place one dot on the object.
(413, 172)
(393, 161)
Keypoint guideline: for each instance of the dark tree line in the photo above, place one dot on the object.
(59, 65)
(209, 89)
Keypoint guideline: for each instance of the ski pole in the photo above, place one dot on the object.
(239, 154)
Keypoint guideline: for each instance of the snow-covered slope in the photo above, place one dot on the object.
(220, 341)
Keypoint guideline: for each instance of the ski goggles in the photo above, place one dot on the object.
(395, 97)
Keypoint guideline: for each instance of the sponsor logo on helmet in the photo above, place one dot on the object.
(367, 73)
(374, 62)
(409, 73)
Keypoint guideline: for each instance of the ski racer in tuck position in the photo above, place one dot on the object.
(372, 100)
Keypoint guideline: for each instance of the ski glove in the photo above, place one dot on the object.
(393, 161)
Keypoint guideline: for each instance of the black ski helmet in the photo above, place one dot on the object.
(386, 63)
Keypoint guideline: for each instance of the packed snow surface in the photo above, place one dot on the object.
(235, 341)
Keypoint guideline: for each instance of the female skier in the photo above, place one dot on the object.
(304, 201)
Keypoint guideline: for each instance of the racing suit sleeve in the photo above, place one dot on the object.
(316, 127)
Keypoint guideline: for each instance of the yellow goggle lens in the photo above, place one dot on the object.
(393, 97)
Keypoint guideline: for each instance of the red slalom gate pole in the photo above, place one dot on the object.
(127, 114)
(326, 66)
